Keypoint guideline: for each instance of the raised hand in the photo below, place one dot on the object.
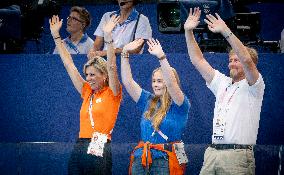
(155, 48)
(193, 19)
(216, 25)
(93, 53)
(133, 45)
(55, 24)
(109, 26)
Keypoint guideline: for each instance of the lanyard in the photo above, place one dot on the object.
(164, 136)
(72, 46)
(229, 100)
(90, 111)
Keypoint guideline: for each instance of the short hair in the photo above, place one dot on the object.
(84, 15)
(99, 63)
(252, 52)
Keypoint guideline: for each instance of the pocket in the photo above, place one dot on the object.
(250, 162)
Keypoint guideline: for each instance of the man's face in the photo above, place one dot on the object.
(236, 68)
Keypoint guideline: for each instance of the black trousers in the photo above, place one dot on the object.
(81, 163)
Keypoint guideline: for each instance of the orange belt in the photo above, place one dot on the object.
(174, 167)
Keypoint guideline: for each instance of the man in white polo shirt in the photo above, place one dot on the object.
(238, 100)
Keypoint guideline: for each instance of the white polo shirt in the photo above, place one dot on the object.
(82, 47)
(123, 33)
(239, 105)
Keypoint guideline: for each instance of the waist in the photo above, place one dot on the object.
(88, 140)
(230, 146)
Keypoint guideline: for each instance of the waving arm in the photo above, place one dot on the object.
(171, 82)
(55, 25)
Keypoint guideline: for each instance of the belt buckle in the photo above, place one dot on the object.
(250, 147)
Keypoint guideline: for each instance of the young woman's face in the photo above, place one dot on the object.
(95, 78)
(158, 83)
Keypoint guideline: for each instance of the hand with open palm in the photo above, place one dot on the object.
(155, 48)
(134, 45)
(109, 26)
(193, 19)
(55, 25)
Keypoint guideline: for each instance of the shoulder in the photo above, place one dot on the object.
(218, 77)
(143, 18)
(257, 89)
(108, 14)
(144, 97)
(86, 90)
(90, 40)
(184, 106)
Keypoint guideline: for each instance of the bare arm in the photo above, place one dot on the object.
(217, 25)
(194, 52)
(133, 89)
(114, 83)
(78, 81)
(173, 87)
(95, 51)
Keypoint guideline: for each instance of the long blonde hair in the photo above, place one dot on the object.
(156, 116)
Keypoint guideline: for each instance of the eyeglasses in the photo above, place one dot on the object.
(74, 19)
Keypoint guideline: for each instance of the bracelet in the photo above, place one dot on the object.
(228, 36)
(124, 55)
(108, 42)
(57, 38)
(162, 57)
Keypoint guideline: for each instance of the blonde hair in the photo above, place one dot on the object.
(158, 115)
(98, 63)
(252, 52)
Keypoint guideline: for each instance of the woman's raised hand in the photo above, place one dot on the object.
(110, 25)
(133, 45)
(55, 24)
(155, 48)
(193, 19)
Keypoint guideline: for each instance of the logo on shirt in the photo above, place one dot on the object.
(99, 100)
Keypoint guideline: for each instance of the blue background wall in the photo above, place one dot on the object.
(39, 104)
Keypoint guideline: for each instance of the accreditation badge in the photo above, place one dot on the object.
(180, 153)
(219, 129)
(96, 146)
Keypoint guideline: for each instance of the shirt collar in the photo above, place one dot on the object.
(82, 40)
(132, 17)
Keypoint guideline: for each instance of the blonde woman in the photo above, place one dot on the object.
(164, 117)
(101, 96)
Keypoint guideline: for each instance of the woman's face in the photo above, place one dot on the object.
(126, 4)
(158, 84)
(95, 78)
(74, 23)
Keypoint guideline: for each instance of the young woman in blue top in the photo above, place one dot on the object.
(165, 114)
